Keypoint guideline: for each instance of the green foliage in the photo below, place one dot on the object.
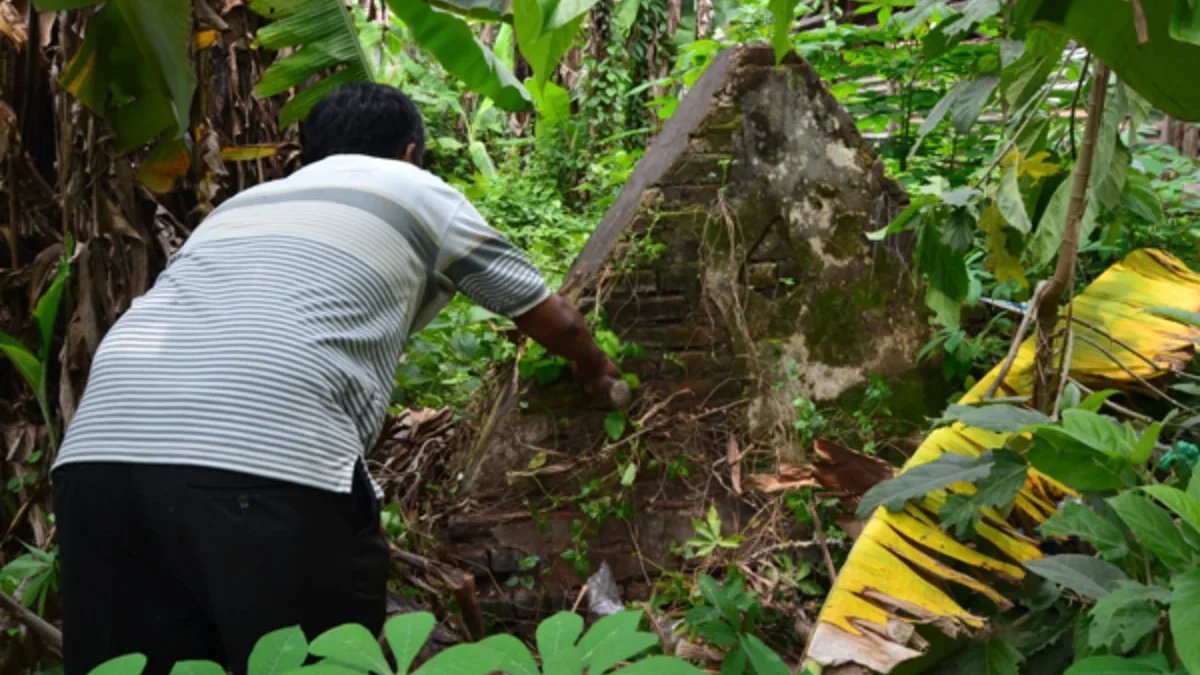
(728, 619)
(35, 573)
(997, 417)
(326, 37)
(1107, 28)
(919, 480)
(708, 537)
(133, 67)
(1005, 478)
(1078, 520)
(451, 41)
(34, 365)
(350, 649)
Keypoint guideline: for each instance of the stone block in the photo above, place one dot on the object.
(678, 336)
(699, 170)
(762, 275)
(683, 278)
(636, 311)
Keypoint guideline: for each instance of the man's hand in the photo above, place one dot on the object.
(561, 329)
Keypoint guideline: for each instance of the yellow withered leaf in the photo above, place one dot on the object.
(1003, 264)
(1036, 167)
(246, 153)
(879, 595)
(205, 39)
(167, 162)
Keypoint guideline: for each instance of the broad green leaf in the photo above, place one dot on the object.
(558, 634)
(1183, 505)
(25, 361)
(994, 657)
(762, 658)
(718, 633)
(660, 665)
(45, 313)
(1022, 79)
(1185, 618)
(971, 101)
(614, 424)
(161, 30)
(1154, 528)
(922, 479)
(1185, 21)
(997, 489)
(467, 659)
(129, 664)
(1108, 30)
(452, 42)
(1090, 577)
(1140, 198)
(515, 656)
(613, 639)
(1009, 200)
(1126, 615)
(907, 219)
(134, 70)
(1096, 431)
(1048, 237)
(1153, 664)
(1096, 399)
(324, 32)
(542, 51)
(946, 271)
(406, 634)
(326, 667)
(627, 12)
(352, 645)
(1193, 488)
(783, 14)
(197, 668)
(278, 652)
(734, 662)
(562, 12)
(629, 475)
(1110, 180)
(1065, 458)
(999, 417)
(937, 114)
(484, 10)
(1077, 520)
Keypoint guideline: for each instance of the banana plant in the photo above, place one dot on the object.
(33, 363)
(903, 565)
(133, 68)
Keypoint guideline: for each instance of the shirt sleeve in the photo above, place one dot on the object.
(485, 267)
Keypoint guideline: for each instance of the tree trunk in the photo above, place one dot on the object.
(1046, 379)
(704, 18)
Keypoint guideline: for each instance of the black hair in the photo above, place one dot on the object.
(363, 118)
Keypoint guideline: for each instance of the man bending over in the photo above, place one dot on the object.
(211, 487)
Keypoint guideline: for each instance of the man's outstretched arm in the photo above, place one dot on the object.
(556, 325)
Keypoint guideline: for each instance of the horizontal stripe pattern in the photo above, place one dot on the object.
(272, 356)
(269, 344)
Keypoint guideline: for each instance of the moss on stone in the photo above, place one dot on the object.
(847, 237)
(917, 394)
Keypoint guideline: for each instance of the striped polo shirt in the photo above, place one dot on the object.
(269, 344)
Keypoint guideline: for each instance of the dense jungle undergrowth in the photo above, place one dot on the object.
(1041, 143)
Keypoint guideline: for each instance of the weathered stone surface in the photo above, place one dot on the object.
(759, 193)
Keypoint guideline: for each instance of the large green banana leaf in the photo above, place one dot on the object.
(1163, 69)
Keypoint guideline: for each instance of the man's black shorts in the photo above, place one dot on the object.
(183, 563)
